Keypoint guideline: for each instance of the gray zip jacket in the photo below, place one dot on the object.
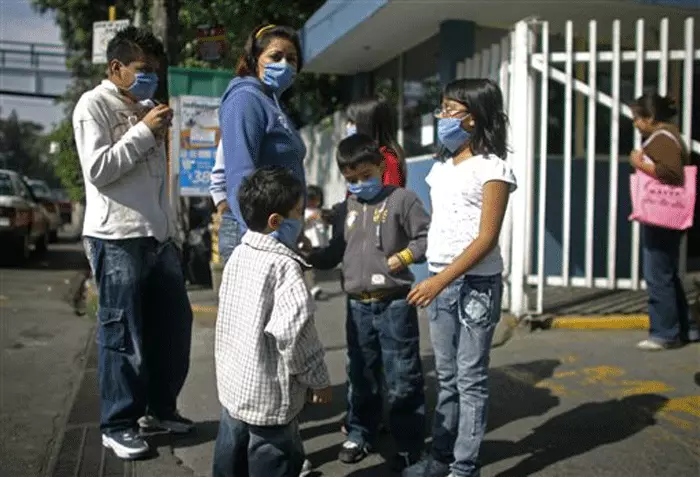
(366, 234)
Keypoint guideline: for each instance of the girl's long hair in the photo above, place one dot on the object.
(375, 117)
(484, 101)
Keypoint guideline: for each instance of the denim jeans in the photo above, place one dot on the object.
(462, 321)
(144, 328)
(242, 450)
(669, 314)
(229, 236)
(383, 336)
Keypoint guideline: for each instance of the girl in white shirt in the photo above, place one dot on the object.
(469, 192)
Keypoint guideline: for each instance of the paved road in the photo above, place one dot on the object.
(564, 403)
(42, 346)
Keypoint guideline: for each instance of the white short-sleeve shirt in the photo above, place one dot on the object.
(456, 195)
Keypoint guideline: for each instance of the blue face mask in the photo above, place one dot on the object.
(451, 134)
(144, 86)
(350, 130)
(279, 76)
(366, 190)
(288, 232)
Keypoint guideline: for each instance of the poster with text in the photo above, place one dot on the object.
(199, 137)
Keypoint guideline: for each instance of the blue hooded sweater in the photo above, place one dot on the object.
(255, 133)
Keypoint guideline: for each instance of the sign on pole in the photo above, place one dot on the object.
(199, 138)
(102, 33)
(211, 42)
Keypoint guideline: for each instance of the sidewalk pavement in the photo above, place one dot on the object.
(633, 412)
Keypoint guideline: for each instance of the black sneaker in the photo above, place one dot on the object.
(352, 452)
(175, 424)
(128, 444)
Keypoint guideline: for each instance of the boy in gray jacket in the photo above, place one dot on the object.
(384, 231)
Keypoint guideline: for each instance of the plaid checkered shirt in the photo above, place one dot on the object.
(267, 350)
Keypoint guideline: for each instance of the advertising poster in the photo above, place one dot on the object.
(199, 137)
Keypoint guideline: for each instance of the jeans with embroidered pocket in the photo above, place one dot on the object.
(144, 329)
(462, 321)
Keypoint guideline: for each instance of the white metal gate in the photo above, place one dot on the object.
(527, 64)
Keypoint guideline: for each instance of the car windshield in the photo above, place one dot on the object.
(40, 189)
(6, 185)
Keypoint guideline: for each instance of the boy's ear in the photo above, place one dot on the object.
(274, 221)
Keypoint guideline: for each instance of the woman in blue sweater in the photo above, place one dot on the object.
(255, 131)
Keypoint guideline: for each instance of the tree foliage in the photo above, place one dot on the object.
(23, 148)
(315, 96)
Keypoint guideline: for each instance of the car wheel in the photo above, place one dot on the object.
(42, 244)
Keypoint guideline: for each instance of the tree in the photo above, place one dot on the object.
(23, 148)
(66, 161)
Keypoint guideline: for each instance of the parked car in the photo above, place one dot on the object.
(24, 222)
(45, 197)
(65, 206)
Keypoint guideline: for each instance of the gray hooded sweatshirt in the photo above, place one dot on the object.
(367, 233)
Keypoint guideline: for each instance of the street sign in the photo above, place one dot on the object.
(211, 42)
(102, 33)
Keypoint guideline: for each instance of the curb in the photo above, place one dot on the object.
(205, 309)
(600, 322)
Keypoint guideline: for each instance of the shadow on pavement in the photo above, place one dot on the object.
(514, 396)
(204, 432)
(576, 432)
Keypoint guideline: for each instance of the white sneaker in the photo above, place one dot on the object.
(306, 468)
(126, 444)
(651, 345)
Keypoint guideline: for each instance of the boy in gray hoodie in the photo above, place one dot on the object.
(384, 231)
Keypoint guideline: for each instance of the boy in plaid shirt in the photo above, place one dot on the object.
(267, 352)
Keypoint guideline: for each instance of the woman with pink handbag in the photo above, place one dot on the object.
(664, 182)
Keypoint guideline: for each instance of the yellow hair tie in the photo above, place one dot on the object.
(263, 30)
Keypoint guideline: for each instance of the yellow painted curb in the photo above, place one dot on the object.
(601, 322)
(204, 309)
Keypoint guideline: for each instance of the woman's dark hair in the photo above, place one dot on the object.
(258, 40)
(375, 117)
(269, 190)
(484, 101)
(358, 149)
(655, 107)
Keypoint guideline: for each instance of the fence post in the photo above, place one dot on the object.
(519, 117)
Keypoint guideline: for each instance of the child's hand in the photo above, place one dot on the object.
(425, 292)
(395, 264)
(321, 396)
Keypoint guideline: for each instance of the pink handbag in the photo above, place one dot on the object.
(662, 205)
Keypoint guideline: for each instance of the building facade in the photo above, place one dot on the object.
(407, 51)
